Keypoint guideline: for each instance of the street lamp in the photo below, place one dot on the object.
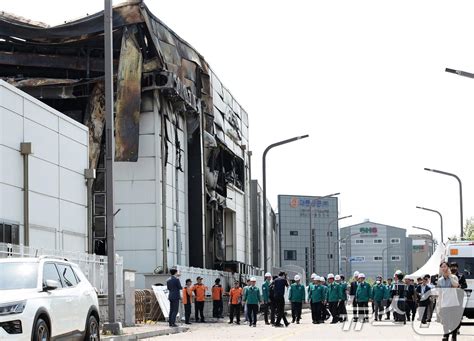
(329, 238)
(345, 242)
(460, 192)
(440, 217)
(264, 179)
(431, 234)
(311, 249)
(383, 260)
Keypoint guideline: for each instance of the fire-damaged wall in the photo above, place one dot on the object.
(182, 163)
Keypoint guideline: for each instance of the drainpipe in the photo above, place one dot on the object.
(163, 191)
(25, 150)
(89, 175)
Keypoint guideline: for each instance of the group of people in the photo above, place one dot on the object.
(327, 297)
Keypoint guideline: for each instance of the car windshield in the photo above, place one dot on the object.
(18, 275)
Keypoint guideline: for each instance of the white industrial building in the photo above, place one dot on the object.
(56, 147)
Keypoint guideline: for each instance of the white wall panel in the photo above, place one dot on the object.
(44, 210)
(44, 177)
(37, 113)
(136, 238)
(134, 192)
(140, 260)
(11, 100)
(44, 141)
(72, 187)
(40, 238)
(73, 131)
(67, 211)
(135, 215)
(143, 169)
(11, 203)
(147, 122)
(11, 128)
(73, 155)
(73, 242)
(147, 145)
(11, 166)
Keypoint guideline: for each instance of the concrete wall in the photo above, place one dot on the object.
(139, 195)
(58, 193)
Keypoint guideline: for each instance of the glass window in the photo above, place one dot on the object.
(99, 204)
(395, 241)
(99, 227)
(17, 275)
(377, 258)
(378, 241)
(465, 266)
(67, 275)
(293, 233)
(50, 272)
(396, 258)
(359, 241)
(290, 254)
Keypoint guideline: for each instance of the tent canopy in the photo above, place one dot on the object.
(431, 267)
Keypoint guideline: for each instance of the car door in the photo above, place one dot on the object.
(74, 321)
(58, 305)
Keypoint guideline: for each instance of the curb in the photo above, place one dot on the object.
(144, 335)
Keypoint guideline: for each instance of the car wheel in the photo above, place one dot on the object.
(92, 329)
(41, 331)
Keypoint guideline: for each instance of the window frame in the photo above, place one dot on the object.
(65, 286)
(293, 233)
(395, 260)
(359, 241)
(377, 239)
(397, 240)
(286, 254)
(378, 260)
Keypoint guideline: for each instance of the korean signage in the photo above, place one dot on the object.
(368, 231)
(357, 259)
(308, 202)
(418, 248)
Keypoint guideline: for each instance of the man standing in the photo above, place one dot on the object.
(410, 307)
(296, 296)
(461, 278)
(187, 301)
(388, 297)
(174, 287)
(217, 305)
(266, 296)
(363, 296)
(317, 298)
(333, 298)
(252, 298)
(199, 290)
(235, 299)
(280, 286)
(352, 294)
(424, 301)
(342, 311)
(378, 294)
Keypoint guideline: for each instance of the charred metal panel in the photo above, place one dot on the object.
(95, 121)
(127, 104)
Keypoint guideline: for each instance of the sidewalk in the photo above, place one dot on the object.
(145, 331)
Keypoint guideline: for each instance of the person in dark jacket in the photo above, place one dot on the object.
(352, 295)
(174, 287)
(461, 278)
(281, 284)
(271, 298)
(423, 292)
(399, 294)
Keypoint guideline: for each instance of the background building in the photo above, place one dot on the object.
(57, 192)
(308, 229)
(422, 249)
(374, 249)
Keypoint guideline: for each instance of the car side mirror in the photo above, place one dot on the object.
(51, 284)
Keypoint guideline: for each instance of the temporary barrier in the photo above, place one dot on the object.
(93, 266)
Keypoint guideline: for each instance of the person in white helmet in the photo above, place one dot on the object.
(296, 296)
(252, 298)
(266, 296)
(352, 294)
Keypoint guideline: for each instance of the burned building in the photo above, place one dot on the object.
(181, 139)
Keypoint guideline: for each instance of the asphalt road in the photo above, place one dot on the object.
(306, 331)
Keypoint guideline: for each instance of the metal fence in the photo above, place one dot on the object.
(93, 266)
(209, 276)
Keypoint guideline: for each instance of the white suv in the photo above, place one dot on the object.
(46, 298)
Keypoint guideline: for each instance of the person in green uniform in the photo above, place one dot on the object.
(266, 296)
(342, 298)
(296, 296)
(324, 309)
(333, 295)
(378, 295)
(388, 297)
(317, 296)
(311, 284)
(363, 296)
(252, 297)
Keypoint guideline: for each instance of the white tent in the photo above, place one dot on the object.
(431, 267)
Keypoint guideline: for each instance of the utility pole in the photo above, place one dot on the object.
(112, 326)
